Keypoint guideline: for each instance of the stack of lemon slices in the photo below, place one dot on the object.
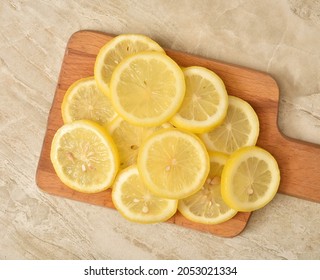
(165, 138)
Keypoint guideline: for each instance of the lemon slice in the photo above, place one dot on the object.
(147, 88)
(240, 128)
(113, 52)
(83, 100)
(84, 156)
(173, 163)
(129, 138)
(205, 103)
(207, 206)
(136, 203)
(250, 179)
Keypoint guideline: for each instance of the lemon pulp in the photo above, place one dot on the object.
(207, 206)
(129, 138)
(206, 101)
(84, 156)
(135, 201)
(173, 163)
(240, 128)
(84, 100)
(147, 88)
(250, 179)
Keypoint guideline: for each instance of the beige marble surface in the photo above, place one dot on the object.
(278, 37)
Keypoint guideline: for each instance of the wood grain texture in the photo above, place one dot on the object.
(298, 161)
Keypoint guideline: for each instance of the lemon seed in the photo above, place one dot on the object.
(145, 209)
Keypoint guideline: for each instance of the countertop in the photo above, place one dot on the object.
(277, 37)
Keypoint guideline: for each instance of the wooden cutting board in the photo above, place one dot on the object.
(298, 161)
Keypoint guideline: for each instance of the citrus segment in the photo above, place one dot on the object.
(83, 100)
(205, 103)
(250, 179)
(129, 138)
(173, 163)
(147, 88)
(113, 52)
(207, 206)
(136, 203)
(240, 128)
(84, 156)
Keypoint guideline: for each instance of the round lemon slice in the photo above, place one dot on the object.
(240, 128)
(207, 206)
(147, 88)
(129, 138)
(173, 163)
(250, 179)
(113, 52)
(136, 203)
(84, 156)
(83, 100)
(205, 103)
